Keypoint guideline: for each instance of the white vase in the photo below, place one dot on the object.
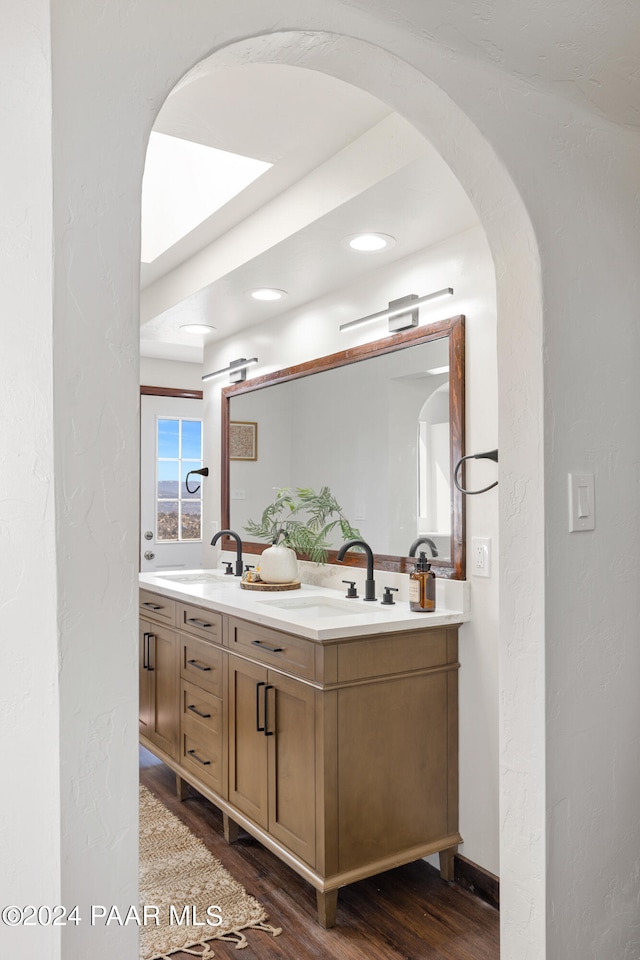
(278, 564)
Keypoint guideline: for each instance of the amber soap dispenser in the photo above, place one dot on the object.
(422, 586)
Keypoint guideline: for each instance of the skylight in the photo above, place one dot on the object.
(183, 184)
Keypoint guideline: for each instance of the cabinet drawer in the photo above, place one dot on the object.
(202, 755)
(393, 653)
(154, 606)
(203, 623)
(281, 650)
(200, 710)
(201, 664)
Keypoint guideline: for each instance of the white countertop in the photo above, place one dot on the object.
(318, 613)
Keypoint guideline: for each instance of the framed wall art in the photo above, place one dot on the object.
(243, 440)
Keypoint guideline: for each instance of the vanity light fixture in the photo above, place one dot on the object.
(401, 313)
(202, 328)
(267, 293)
(237, 370)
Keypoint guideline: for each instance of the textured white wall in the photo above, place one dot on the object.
(564, 661)
(29, 738)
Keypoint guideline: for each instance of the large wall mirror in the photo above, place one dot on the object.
(382, 425)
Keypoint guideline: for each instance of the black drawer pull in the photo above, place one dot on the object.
(265, 646)
(152, 606)
(199, 623)
(192, 707)
(267, 733)
(198, 666)
(258, 685)
(192, 753)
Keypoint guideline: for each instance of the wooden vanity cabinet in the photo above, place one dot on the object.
(341, 756)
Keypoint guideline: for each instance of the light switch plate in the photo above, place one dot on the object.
(582, 512)
(481, 556)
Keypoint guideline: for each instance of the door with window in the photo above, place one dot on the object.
(170, 513)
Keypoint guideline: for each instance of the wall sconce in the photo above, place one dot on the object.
(237, 370)
(400, 317)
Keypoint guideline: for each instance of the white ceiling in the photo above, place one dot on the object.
(342, 164)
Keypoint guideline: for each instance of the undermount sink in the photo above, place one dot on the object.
(318, 606)
(205, 576)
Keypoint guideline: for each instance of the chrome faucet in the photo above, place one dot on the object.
(370, 584)
(231, 533)
(416, 543)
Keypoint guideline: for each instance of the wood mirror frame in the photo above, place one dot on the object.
(452, 567)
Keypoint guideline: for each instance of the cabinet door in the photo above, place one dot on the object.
(247, 740)
(290, 722)
(163, 669)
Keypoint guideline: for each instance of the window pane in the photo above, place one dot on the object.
(192, 440)
(168, 479)
(168, 520)
(168, 438)
(191, 520)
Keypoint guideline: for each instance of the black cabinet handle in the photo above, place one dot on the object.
(267, 733)
(198, 623)
(259, 729)
(192, 707)
(192, 753)
(152, 606)
(145, 651)
(265, 646)
(198, 666)
(150, 636)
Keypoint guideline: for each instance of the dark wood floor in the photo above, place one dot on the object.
(405, 914)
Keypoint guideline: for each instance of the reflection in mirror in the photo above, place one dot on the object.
(380, 425)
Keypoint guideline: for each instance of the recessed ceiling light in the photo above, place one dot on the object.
(201, 328)
(370, 242)
(267, 293)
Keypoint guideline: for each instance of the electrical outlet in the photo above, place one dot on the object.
(481, 556)
(238, 494)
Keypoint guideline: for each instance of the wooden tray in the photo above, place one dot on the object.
(260, 585)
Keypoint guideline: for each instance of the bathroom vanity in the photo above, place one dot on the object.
(325, 727)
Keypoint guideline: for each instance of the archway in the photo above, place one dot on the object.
(513, 247)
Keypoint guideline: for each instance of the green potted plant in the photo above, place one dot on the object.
(299, 520)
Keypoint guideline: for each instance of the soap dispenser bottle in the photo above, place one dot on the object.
(422, 586)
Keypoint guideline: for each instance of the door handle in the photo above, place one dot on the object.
(150, 637)
(145, 651)
(259, 729)
(267, 733)
(149, 555)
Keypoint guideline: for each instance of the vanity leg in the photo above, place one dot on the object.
(327, 906)
(182, 788)
(230, 827)
(446, 863)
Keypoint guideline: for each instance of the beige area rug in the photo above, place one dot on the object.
(187, 898)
